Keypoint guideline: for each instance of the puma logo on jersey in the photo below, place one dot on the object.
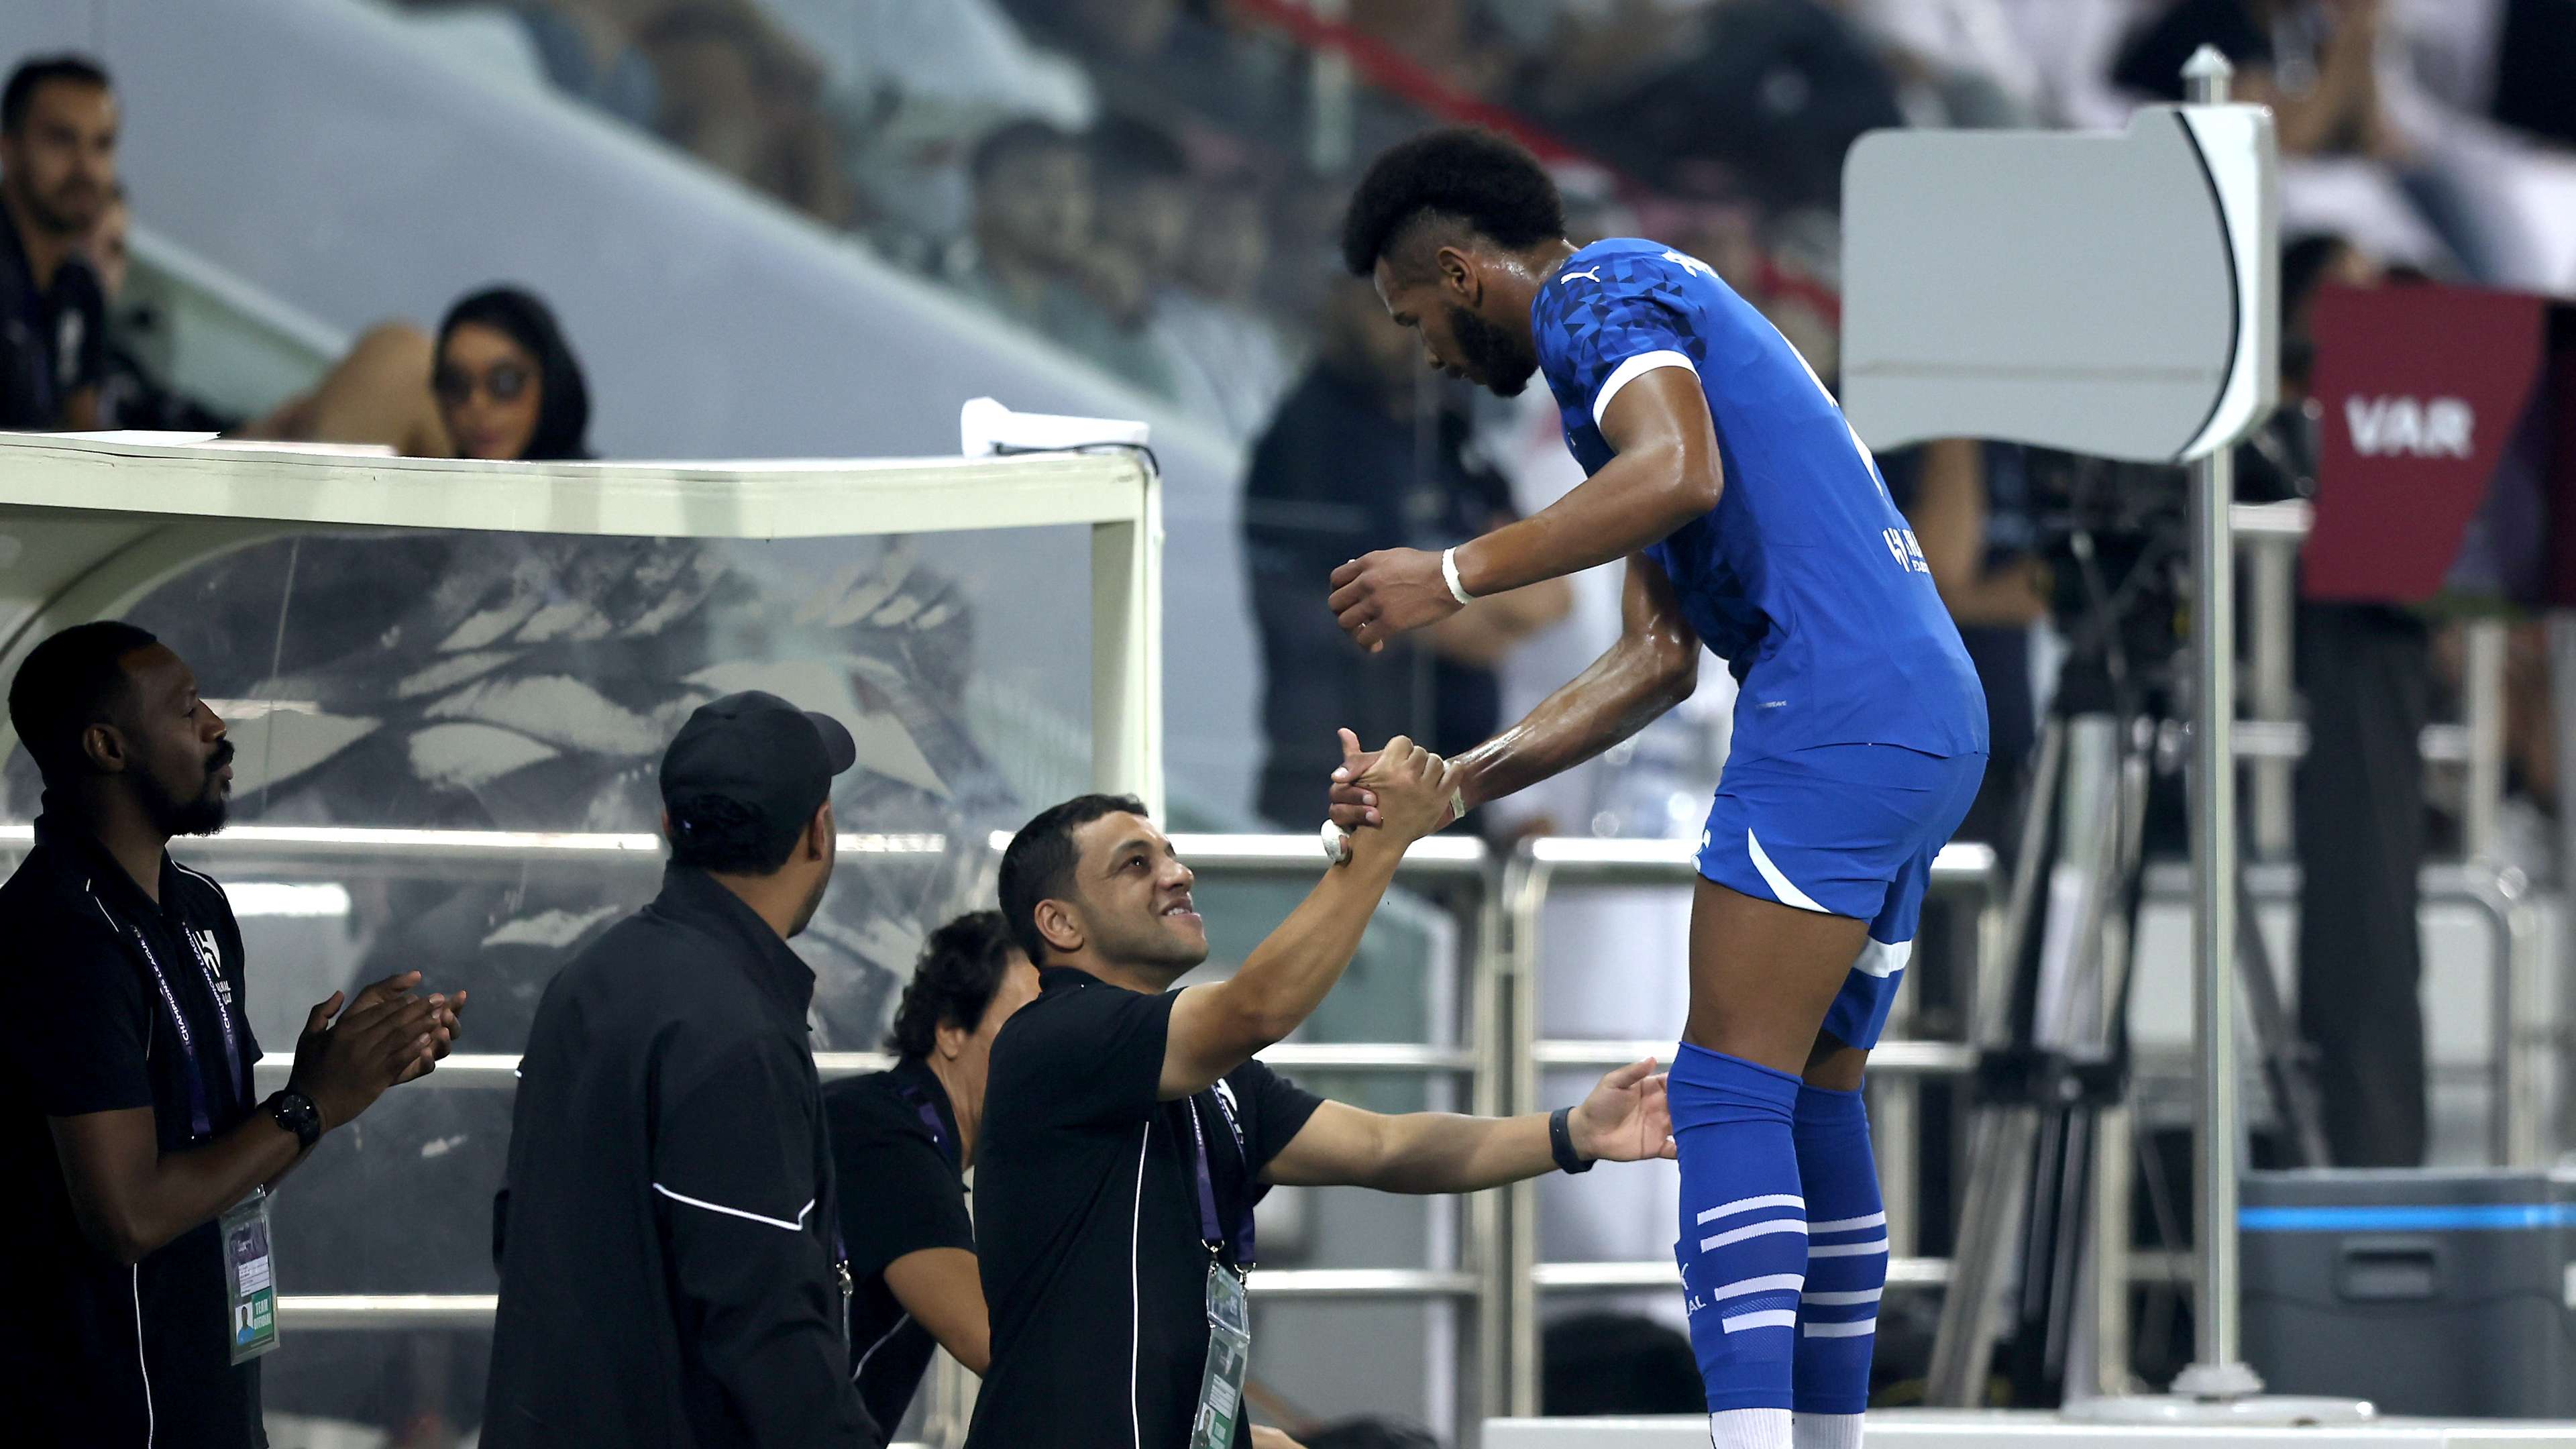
(1593, 275)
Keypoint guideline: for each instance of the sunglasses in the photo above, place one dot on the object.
(503, 381)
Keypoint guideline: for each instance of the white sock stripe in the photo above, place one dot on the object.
(1768, 1283)
(1756, 1230)
(1780, 884)
(1845, 1225)
(1748, 1204)
(1842, 1300)
(1767, 1318)
(1871, 1248)
(735, 1212)
(1863, 1329)
(1752, 1429)
(1826, 1431)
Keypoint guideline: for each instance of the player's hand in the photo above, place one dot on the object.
(1353, 804)
(1626, 1118)
(1412, 789)
(1380, 595)
(1352, 800)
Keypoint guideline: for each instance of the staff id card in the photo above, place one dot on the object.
(1229, 1356)
(250, 1278)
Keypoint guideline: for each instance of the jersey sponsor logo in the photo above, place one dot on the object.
(1591, 275)
(1907, 553)
(2380, 426)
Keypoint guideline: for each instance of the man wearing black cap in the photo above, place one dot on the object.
(670, 1273)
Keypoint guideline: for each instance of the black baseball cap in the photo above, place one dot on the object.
(753, 754)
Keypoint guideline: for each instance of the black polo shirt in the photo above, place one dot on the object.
(666, 1234)
(52, 341)
(1087, 1218)
(894, 1155)
(93, 1353)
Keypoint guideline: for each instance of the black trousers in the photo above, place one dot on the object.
(2367, 674)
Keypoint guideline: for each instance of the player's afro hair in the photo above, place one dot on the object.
(1483, 180)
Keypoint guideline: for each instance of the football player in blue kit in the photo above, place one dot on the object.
(1754, 523)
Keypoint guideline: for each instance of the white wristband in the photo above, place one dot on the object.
(1449, 575)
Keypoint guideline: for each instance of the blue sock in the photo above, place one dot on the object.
(1846, 1254)
(1743, 1248)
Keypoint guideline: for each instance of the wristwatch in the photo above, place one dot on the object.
(295, 1112)
(1560, 1142)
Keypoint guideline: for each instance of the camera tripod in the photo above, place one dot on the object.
(2050, 1139)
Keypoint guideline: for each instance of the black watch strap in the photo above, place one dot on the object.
(295, 1112)
(1560, 1141)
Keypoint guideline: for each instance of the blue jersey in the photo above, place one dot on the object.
(1804, 578)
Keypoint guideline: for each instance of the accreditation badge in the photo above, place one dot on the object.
(1229, 1357)
(250, 1278)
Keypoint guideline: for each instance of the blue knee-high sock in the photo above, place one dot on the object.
(1846, 1253)
(1743, 1247)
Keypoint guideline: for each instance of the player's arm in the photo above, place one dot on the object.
(1666, 473)
(1653, 666)
(1218, 1026)
(1625, 1119)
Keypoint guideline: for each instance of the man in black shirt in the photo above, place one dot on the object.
(901, 1143)
(127, 1125)
(57, 173)
(1349, 462)
(1128, 1132)
(670, 1271)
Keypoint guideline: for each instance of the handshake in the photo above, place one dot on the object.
(1398, 793)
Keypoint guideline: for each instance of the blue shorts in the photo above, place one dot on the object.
(1843, 830)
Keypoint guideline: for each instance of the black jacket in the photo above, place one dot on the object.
(667, 1244)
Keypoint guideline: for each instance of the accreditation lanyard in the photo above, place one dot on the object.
(200, 1122)
(1211, 1231)
(929, 1119)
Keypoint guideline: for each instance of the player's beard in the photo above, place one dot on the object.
(1495, 356)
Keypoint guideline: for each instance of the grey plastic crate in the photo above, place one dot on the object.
(2425, 1292)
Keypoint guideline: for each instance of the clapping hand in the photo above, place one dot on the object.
(345, 1059)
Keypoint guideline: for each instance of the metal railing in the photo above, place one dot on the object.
(1500, 1272)
(1460, 863)
(1533, 871)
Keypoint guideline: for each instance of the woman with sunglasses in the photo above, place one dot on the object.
(500, 383)
(506, 382)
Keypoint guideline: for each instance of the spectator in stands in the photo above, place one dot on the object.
(58, 131)
(1348, 463)
(2364, 150)
(1228, 357)
(590, 52)
(499, 382)
(744, 99)
(1752, 96)
(507, 383)
(1968, 504)
(129, 394)
(1037, 255)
